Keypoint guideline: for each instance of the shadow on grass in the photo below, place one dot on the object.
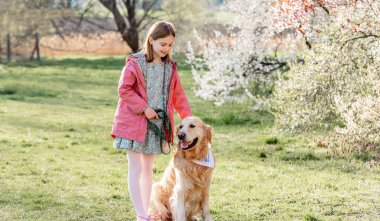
(230, 119)
(19, 92)
(299, 156)
(235, 118)
(30, 200)
(108, 63)
(309, 217)
(48, 94)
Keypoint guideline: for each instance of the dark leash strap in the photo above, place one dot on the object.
(161, 132)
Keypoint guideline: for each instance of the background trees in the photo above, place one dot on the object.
(240, 63)
(332, 83)
(90, 26)
(338, 86)
(133, 17)
(129, 24)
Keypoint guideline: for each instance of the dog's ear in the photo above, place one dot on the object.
(208, 130)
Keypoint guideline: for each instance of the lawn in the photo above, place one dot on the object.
(58, 163)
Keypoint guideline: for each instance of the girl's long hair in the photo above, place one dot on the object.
(160, 29)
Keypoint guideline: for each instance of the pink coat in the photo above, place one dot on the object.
(129, 123)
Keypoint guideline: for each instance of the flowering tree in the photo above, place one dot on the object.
(233, 66)
(309, 16)
(339, 83)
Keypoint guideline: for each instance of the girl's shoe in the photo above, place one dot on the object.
(155, 217)
(142, 218)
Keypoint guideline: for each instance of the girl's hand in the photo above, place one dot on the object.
(150, 113)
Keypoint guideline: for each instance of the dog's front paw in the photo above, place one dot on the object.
(178, 155)
(178, 160)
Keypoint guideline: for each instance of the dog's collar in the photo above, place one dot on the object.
(208, 161)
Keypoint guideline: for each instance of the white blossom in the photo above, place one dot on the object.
(338, 84)
(231, 63)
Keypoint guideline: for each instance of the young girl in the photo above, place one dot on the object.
(149, 82)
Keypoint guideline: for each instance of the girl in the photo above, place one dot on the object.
(149, 82)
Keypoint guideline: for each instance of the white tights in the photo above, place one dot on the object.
(140, 178)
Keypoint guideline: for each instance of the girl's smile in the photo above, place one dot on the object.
(162, 46)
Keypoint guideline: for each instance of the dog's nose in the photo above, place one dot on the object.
(181, 136)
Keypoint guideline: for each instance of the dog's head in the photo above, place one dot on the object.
(194, 138)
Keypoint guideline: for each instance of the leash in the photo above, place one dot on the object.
(161, 132)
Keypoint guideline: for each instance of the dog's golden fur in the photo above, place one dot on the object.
(183, 191)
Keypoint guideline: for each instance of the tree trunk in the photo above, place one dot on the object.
(132, 38)
(9, 50)
(38, 47)
(129, 32)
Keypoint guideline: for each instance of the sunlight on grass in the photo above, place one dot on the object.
(58, 162)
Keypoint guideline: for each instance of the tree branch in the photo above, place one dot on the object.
(87, 9)
(320, 4)
(57, 31)
(146, 12)
(364, 35)
(111, 6)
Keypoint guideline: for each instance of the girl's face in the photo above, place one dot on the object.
(162, 46)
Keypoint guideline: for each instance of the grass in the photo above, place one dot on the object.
(271, 140)
(57, 160)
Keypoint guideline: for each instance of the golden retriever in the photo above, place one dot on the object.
(183, 191)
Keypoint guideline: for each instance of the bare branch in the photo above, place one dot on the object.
(86, 10)
(146, 12)
(57, 31)
(99, 26)
(363, 36)
(320, 4)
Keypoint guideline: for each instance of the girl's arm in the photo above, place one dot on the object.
(180, 102)
(127, 92)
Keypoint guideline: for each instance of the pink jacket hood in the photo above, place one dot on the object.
(129, 122)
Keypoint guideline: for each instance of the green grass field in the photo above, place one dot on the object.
(58, 163)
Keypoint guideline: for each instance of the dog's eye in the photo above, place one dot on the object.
(192, 125)
(180, 126)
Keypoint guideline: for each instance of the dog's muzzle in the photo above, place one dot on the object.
(188, 145)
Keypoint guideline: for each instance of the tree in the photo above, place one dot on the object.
(309, 16)
(187, 15)
(129, 25)
(240, 64)
(338, 86)
(21, 18)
